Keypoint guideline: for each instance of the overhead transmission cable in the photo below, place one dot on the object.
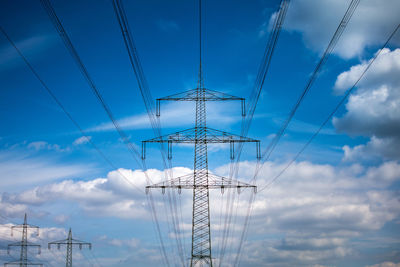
(336, 36)
(58, 102)
(263, 69)
(148, 101)
(266, 154)
(253, 100)
(67, 42)
(328, 118)
(71, 49)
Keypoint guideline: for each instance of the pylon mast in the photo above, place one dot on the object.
(201, 180)
(69, 242)
(24, 244)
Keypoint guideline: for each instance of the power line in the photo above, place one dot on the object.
(332, 113)
(71, 49)
(348, 14)
(68, 114)
(154, 121)
(253, 100)
(336, 36)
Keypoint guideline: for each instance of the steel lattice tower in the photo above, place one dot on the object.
(70, 242)
(24, 244)
(201, 180)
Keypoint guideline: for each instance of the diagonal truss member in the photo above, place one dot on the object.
(201, 180)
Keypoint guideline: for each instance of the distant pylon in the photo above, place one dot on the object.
(24, 244)
(69, 242)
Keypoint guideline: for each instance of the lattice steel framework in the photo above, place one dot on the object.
(24, 244)
(201, 180)
(70, 242)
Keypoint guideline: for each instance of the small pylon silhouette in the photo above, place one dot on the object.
(70, 242)
(24, 244)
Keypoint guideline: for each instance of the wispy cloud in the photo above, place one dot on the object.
(21, 170)
(173, 115)
(167, 25)
(36, 44)
(82, 140)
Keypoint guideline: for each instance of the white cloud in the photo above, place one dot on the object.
(19, 171)
(116, 195)
(385, 264)
(60, 219)
(171, 116)
(320, 208)
(82, 140)
(371, 24)
(42, 145)
(374, 149)
(129, 243)
(374, 109)
(12, 210)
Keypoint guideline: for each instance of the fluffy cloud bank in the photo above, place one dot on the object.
(313, 215)
(316, 213)
(374, 109)
(372, 22)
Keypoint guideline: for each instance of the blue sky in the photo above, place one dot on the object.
(337, 205)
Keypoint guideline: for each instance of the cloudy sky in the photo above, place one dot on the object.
(337, 205)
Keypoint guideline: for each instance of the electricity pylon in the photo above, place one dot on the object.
(24, 244)
(70, 242)
(201, 180)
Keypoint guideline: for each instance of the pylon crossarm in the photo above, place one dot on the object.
(214, 182)
(59, 242)
(189, 136)
(18, 244)
(192, 95)
(76, 241)
(73, 242)
(26, 225)
(22, 263)
(212, 136)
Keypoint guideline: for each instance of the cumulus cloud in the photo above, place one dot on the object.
(11, 210)
(317, 211)
(385, 264)
(373, 110)
(120, 194)
(372, 22)
(320, 208)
